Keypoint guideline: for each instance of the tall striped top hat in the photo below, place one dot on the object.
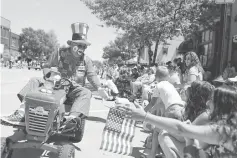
(79, 34)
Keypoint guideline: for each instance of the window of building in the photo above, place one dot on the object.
(4, 33)
(206, 44)
(14, 42)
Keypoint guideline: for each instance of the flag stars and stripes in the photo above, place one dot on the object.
(118, 133)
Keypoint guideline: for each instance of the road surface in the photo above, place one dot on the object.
(14, 79)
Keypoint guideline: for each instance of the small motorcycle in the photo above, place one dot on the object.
(45, 113)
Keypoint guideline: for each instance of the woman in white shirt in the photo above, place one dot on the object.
(194, 69)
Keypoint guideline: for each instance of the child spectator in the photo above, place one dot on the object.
(167, 101)
(145, 79)
(111, 88)
(175, 78)
(135, 74)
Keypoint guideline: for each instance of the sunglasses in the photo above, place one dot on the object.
(75, 48)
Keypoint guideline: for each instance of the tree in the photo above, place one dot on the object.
(38, 43)
(148, 21)
(121, 47)
(52, 38)
(142, 20)
(97, 63)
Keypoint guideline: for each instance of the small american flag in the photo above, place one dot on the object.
(118, 133)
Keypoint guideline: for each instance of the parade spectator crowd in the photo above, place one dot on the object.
(188, 113)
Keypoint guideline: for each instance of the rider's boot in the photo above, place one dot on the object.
(70, 123)
(15, 119)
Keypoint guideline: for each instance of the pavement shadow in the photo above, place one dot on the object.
(96, 119)
(137, 152)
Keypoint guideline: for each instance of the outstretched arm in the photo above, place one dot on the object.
(205, 133)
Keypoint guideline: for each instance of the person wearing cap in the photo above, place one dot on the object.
(165, 99)
(72, 63)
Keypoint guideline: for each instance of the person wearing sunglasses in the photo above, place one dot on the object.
(72, 63)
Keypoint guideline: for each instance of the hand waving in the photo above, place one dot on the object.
(136, 113)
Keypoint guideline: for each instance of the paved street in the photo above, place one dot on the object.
(13, 80)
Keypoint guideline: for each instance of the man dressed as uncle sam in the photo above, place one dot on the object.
(72, 63)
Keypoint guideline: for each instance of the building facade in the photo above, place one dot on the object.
(5, 32)
(232, 53)
(168, 51)
(216, 46)
(9, 40)
(165, 52)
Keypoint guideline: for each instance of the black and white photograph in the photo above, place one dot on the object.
(118, 79)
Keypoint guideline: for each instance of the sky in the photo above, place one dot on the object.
(58, 15)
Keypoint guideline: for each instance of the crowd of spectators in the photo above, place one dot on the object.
(188, 116)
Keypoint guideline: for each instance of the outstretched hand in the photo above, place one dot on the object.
(136, 113)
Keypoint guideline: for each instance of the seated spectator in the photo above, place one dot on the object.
(229, 71)
(135, 74)
(147, 79)
(166, 99)
(104, 72)
(111, 88)
(196, 110)
(174, 75)
(147, 89)
(181, 65)
(169, 63)
(194, 70)
(221, 133)
(115, 73)
(123, 82)
(165, 91)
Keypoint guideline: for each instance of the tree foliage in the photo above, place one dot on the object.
(97, 63)
(36, 43)
(145, 21)
(121, 47)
